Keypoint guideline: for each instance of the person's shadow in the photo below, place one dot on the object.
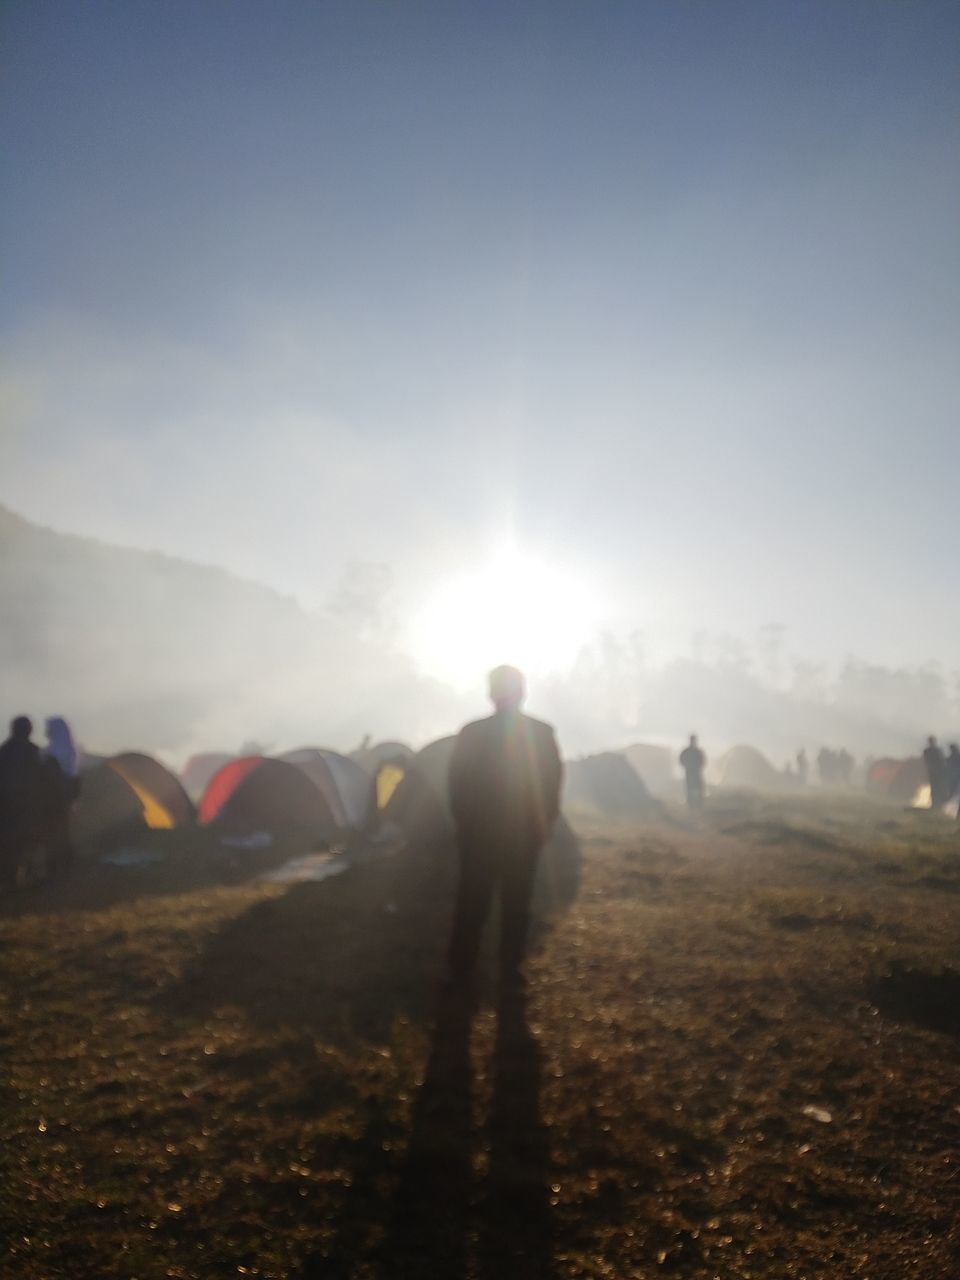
(442, 1211)
(515, 1237)
(429, 1220)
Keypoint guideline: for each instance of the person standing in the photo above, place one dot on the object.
(20, 796)
(803, 767)
(504, 788)
(61, 786)
(693, 761)
(936, 773)
(953, 770)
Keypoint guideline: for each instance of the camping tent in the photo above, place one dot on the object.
(255, 793)
(881, 773)
(653, 764)
(907, 779)
(125, 794)
(607, 785)
(748, 767)
(389, 777)
(198, 771)
(346, 786)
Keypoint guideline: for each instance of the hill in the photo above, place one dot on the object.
(141, 649)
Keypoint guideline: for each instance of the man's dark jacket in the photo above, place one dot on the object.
(504, 780)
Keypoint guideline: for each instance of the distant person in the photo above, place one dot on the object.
(803, 767)
(61, 747)
(504, 787)
(826, 766)
(953, 770)
(60, 788)
(20, 783)
(844, 766)
(693, 761)
(936, 764)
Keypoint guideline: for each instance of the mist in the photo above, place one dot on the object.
(144, 651)
(334, 304)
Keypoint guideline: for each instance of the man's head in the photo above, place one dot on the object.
(21, 728)
(693, 739)
(931, 741)
(954, 749)
(507, 688)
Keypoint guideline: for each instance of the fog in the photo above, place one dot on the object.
(337, 301)
(145, 651)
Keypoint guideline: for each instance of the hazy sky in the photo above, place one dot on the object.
(670, 292)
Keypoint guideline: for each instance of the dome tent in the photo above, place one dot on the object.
(256, 793)
(413, 791)
(606, 785)
(199, 769)
(389, 778)
(655, 765)
(346, 786)
(746, 767)
(387, 764)
(907, 779)
(124, 795)
(881, 773)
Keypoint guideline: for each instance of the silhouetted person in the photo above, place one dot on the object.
(693, 761)
(953, 770)
(20, 782)
(60, 787)
(844, 766)
(504, 786)
(803, 767)
(933, 758)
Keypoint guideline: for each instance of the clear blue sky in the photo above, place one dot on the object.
(672, 290)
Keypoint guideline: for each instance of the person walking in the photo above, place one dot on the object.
(504, 788)
(933, 758)
(693, 761)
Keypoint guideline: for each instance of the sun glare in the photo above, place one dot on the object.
(515, 609)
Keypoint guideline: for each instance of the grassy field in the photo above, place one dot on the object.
(737, 1058)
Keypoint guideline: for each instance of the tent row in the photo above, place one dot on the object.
(313, 791)
(326, 794)
(310, 790)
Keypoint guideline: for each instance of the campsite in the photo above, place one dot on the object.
(737, 1057)
(479, 695)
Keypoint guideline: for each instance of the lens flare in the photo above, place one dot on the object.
(516, 608)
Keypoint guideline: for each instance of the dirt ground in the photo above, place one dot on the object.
(737, 1058)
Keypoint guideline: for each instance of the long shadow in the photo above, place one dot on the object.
(428, 1225)
(339, 961)
(342, 958)
(515, 1237)
(435, 1212)
(443, 1214)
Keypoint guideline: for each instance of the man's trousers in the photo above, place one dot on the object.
(488, 866)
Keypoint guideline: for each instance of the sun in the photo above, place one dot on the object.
(516, 608)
